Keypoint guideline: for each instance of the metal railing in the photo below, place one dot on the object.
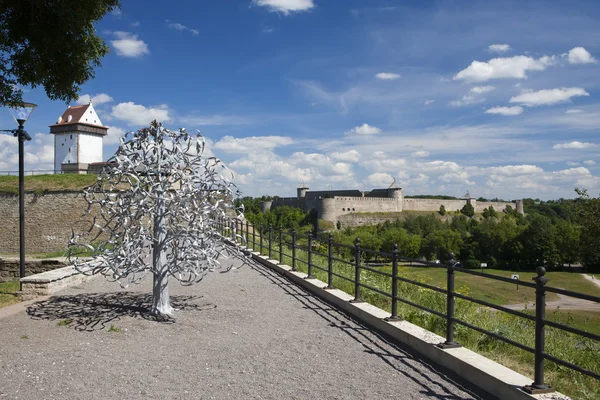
(245, 234)
(33, 172)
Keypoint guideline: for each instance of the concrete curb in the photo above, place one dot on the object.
(482, 372)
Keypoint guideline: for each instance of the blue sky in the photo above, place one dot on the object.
(496, 97)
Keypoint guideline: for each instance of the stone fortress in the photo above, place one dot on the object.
(332, 205)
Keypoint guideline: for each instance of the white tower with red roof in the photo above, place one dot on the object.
(78, 136)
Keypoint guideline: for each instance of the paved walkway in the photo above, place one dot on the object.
(245, 334)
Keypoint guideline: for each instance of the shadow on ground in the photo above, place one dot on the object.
(94, 311)
(435, 383)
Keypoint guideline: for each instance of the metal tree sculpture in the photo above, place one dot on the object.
(158, 202)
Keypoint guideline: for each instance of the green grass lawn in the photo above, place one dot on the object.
(7, 293)
(41, 183)
(501, 293)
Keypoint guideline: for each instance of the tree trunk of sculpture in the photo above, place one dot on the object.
(161, 303)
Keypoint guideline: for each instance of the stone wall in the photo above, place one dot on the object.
(49, 218)
(360, 219)
(9, 268)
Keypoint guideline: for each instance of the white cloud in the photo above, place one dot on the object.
(499, 68)
(508, 111)
(321, 162)
(117, 12)
(364, 129)
(589, 162)
(548, 96)
(498, 48)
(348, 156)
(573, 111)
(513, 170)
(387, 76)
(100, 98)
(127, 44)
(114, 134)
(252, 144)
(180, 27)
(574, 145)
(428, 102)
(579, 55)
(136, 114)
(473, 96)
(420, 154)
(379, 180)
(572, 163)
(285, 7)
(135, 24)
(482, 89)
(39, 153)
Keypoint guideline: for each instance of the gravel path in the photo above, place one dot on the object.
(245, 334)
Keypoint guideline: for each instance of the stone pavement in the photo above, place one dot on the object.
(244, 334)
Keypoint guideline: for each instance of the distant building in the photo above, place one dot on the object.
(78, 136)
(331, 204)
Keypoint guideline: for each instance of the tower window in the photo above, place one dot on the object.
(71, 137)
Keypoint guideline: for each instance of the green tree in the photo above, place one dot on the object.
(588, 214)
(539, 241)
(567, 241)
(442, 210)
(440, 243)
(50, 43)
(468, 210)
(485, 213)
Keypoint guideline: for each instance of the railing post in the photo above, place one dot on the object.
(538, 385)
(260, 233)
(450, 343)
(357, 253)
(294, 249)
(270, 242)
(309, 259)
(329, 262)
(394, 316)
(248, 234)
(253, 237)
(280, 244)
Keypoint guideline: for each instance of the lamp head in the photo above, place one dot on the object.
(22, 111)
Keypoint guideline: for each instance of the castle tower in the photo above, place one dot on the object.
(519, 207)
(78, 136)
(395, 191)
(470, 199)
(301, 190)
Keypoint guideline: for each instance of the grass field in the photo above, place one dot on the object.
(502, 293)
(7, 293)
(43, 183)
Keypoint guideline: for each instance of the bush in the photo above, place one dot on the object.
(442, 210)
(468, 210)
(472, 264)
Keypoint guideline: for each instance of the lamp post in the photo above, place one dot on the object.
(21, 113)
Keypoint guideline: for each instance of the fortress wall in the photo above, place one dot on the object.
(498, 206)
(366, 219)
(48, 221)
(346, 205)
(289, 201)
(432, 204)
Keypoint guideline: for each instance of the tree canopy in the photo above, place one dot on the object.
(50, 43)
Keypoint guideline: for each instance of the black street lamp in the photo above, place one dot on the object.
(21, 113)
